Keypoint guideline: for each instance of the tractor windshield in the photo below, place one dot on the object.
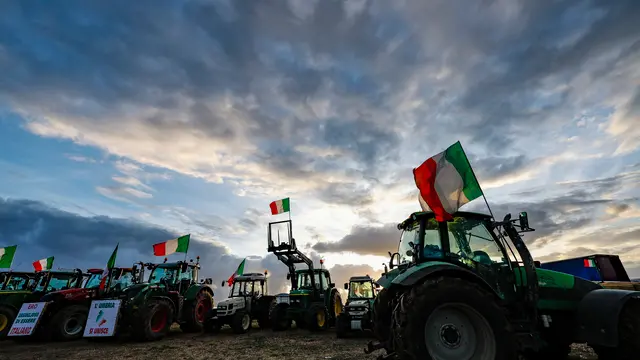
(93, 281)
(162, 273)
(432, 247)
(19, 282)
(57, 282)
(304, 280)
(361, 290)
(242, 288)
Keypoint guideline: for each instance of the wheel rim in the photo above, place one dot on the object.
(458, 332)
(246, 321)
(337, 308)
(158, 321)
(3, 321)
(320, 318)
(73, 325)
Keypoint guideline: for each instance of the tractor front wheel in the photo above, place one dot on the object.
(7, 316)
(278, 317)
(241, 322)
(154, 322)
(197, 311)
(335, 307)
(68, 323)
(317, 317)
(450, 318)
(628, 335)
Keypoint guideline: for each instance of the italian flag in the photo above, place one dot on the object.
(110, 265)
(279, 206)
(446, 182)
(239, 271)
(44, 264)
(180, 244)
(6, 256)
(589, 263)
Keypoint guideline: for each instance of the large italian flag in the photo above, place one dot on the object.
(446, 182)
(111, 263)
(44, 264)
(279, 206)
(6, 256)
(239, 271)
(169, 247)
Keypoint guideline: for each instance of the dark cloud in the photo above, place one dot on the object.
(365, 240)
(493, 168)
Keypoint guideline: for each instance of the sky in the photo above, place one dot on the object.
(132, 123)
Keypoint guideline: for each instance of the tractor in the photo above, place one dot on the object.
(357, 310)
(16, 280)
(313, 301)
(248, 300)
(172, 294)
(66, 314)
(468, 288)
(30, 287)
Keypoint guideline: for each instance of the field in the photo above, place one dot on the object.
(256, 345)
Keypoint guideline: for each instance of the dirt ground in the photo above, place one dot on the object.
(256, 345)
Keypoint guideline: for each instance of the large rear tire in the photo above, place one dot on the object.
(450, 318)
(197, 312)
(335, 307)
(68, 323)
(628, 335)
(7, 316)
(154, 322)
(382, 312)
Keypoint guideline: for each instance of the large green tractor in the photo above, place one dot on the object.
(468, 288)
(171, 295)
(21, 287)
(313, 302)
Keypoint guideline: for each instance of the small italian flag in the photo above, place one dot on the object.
(180, 244)
(446, 182)
(110, 265)
(239, 271)
(6, 256)
(44, 264)
(279, 206)
(589, 263)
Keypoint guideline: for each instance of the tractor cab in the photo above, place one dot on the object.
(248, 285)
(176, 276)
(50, 281)
(360, 288)
(357, 311)
(313, 282)
(18, 281)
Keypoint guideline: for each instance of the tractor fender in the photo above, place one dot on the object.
(598, 313)
(193, 291)
(416, 274)
(168, 299)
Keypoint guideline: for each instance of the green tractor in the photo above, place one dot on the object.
(357, 311)
(313, 302)
(21, 287)
(171, 295)
(468, 288)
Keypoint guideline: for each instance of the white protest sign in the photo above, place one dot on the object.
(27, 319)
(102, 318)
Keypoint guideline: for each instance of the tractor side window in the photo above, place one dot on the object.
(321, 280)
(304, 281)
(361, 290)
(257, 288)
(408, 235)
(237, 289)
(93, 281)
(186, 275)
(125, 280)
(249, 288)
(471, 239)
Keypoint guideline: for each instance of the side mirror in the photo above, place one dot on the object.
(288, 276)
(332, 285)
(524, 220)
(346, 286)
(222, 283)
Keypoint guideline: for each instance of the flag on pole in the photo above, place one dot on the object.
(279, 206)
(110, 265)
(169, 247)
(446, 182)
(6, 256)
(44, 264)
(239, 271)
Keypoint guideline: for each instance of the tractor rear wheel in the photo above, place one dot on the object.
(7, 316)
(196, 312)
(450, 318)
(628, 335)
(241, 322)
(317, 317)
(68, 323)
(278, 317)
(154, 322)
(335, 307)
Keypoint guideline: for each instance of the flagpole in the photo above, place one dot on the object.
(478, 182)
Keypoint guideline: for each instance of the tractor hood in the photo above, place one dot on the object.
(15, 297)
(230, 301)
(358, 303)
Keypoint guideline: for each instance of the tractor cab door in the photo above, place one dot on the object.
(322, 285)
(473, 245)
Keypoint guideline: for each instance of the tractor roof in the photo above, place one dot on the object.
(465, 214)
(315, 270)
(250, 277)
(364, 278)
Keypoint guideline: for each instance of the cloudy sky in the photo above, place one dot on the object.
(134, 122)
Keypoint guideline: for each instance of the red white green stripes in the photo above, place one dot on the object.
(279, 206)
(446, 182)
(239, 271)
(44, 264)
(169, 247)
(6, 256)
(589, 263)
(111, 263)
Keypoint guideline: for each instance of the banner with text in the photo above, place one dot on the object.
(103, 315)
(27, 319)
